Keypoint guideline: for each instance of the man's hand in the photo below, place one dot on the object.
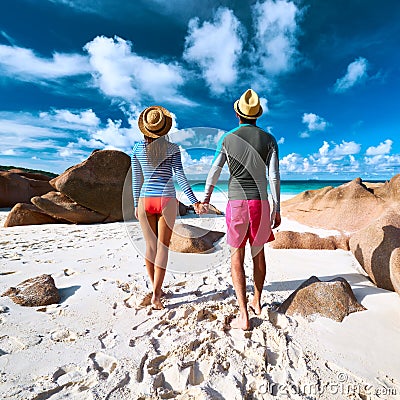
(199, 208)
(136, 213)
(205, 207)
(276, 221)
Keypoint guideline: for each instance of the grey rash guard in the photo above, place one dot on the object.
(249, 151)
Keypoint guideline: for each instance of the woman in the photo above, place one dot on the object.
(153, 161)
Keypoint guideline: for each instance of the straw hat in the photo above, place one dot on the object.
(248, 106)
(155, 121)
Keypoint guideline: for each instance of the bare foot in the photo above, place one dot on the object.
(255, 306)
(240, 322)
(156, 303)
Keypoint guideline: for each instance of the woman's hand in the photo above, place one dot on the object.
(199, 208)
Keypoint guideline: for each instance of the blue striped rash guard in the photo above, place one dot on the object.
(151, 181)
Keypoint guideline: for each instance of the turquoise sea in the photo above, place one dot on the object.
(291, 187)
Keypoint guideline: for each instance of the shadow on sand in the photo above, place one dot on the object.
(67, 292)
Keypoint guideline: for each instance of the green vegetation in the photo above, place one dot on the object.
(34, 171)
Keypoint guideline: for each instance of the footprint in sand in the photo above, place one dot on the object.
(154, 365)
(108, 339)
(10, 345)
(276, 345)
(178, 286)
(50, 309)
(103, 364)
(96, 285)
(63, 335)
(278, 320)
(206, 315)
(69, 272)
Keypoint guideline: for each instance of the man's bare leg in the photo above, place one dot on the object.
(239, 283)
(259, 272)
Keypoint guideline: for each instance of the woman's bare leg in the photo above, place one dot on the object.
(165, 226)
(148, 223)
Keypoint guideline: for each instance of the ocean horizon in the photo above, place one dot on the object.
(288, 187)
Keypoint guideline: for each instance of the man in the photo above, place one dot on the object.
(249, 151)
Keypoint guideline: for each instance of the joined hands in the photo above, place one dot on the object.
(200, 208)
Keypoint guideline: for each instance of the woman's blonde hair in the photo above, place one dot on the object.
(156, 149)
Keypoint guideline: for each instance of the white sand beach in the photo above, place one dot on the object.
(100, 342)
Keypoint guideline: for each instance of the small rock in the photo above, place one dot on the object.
(333, 299)
(60, 206)
(28, 214)
(34, 292)
(192, 239)
(307, 240)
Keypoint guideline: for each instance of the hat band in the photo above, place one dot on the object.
(160, 129)
(247, 115)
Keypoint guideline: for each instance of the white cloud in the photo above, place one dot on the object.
(215, 46)
(117, 137)
(275, 35)
(345, 149)
(197, 137)
(68, 119)
(8, 152)
(281, 140)
(304, 135)
(291, 162)
(182, 136)
(324, 149)
(339, 154)
(71, 135)
(383, 148)
(198, 167)
(383, 162)
(24, 64)
(120, 72)
(314, 122)
(356, 73)
(264, 105)
(341, 160)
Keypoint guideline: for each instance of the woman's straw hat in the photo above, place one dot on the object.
(155, 121)
(248, 106)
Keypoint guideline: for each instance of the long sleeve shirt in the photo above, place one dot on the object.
(249, 152)
(156, 181)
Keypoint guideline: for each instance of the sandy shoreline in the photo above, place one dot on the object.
(95, 344)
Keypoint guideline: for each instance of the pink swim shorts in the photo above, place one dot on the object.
(248, 219)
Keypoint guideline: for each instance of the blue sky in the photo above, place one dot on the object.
(74, 75)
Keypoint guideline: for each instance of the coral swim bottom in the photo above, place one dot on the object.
(155, 205)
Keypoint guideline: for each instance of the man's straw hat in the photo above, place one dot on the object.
(248, 106)
(155, 121)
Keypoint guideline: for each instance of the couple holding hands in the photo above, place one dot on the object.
(251, 155)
